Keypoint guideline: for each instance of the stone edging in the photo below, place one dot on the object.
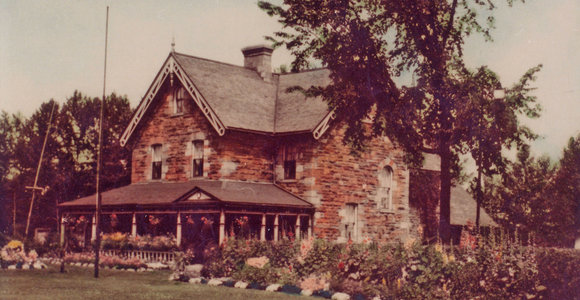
(269, 288)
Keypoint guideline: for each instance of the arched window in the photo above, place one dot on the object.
(156, 161)
(197, 158)
(179, 98)
(385, 188)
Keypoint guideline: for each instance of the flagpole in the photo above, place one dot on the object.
(99, 158)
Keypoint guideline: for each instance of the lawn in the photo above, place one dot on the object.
(79, 283)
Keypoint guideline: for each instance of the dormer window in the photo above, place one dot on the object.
(156, 161)
(384, 191)
(179, 97)
(289, 156)
(198, 158)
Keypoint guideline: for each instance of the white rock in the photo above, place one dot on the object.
(25, 267)
(193, 270)
(173, 276)
(131, 270)
(141, 270)
(91, 265)
(214, 282)
(241, 285)
(340, 296)
(38, 265)
(306, 293)
(273, 287)
(12, 267)
(376, 298)
(195, 280)
(157, 266)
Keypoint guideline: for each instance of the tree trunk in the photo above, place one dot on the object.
(445, 196)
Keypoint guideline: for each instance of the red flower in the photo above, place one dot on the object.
(341, 265)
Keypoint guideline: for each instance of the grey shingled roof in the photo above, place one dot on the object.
(232, 192)
(296, 112)
(463, 209)
(243, 100)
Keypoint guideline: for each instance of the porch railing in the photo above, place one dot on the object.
(144, 255)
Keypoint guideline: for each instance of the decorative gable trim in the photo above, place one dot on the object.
(196, 195)
(323, 126)
(171, 67)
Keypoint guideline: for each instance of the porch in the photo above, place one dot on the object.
(197, 215)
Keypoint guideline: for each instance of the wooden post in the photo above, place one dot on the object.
(222, 233)
(134, 226)
(297, 227)
(276, 228)
(94, 229)
(62, 230)
(178, 232)
(311, 223)
(263, 228)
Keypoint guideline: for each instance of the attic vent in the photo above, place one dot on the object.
(259, 59)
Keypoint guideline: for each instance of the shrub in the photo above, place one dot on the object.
(558, 272)
(263, 275)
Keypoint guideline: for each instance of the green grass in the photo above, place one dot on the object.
(79, 283)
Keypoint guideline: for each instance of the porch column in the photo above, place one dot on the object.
(263, 228)
(297, 227)
(94, 229)
(62, 231)
(134, 225)
(222, 233)
(276, 227)
(178, 231)
(311, 223)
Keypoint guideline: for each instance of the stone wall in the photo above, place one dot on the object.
(330, 177)
(234, 156)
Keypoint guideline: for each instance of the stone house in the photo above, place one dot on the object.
(220, 149)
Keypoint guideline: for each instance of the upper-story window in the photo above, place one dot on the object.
(289, 162)
(156, 161)
(179, 97)
(385, 188)
(197, 158)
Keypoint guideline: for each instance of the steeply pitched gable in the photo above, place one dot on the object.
(238, 98)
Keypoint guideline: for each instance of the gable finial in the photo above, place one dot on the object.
(173, 44)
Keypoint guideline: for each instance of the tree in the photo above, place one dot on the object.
(367, 43)
(488, 125)
(566, 189)
(69, 161)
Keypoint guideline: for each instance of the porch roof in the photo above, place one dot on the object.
(168, 193)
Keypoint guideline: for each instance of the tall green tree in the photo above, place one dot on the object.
(488, 124)
(366, 44)
(566, 189)
(68, 167)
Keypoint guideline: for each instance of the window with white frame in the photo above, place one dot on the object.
(156, 163)
(289, 156)
(350, 221)
(198, 158)
(385, 188)
(179, 97)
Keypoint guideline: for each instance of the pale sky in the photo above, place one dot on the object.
(50, 48)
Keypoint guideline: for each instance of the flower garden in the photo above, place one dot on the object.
(473, 270)
(476, 269)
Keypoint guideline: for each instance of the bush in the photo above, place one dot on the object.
(480, 270)
(263, 275)
(559, 272)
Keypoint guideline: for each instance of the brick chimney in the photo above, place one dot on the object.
(259, 59)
